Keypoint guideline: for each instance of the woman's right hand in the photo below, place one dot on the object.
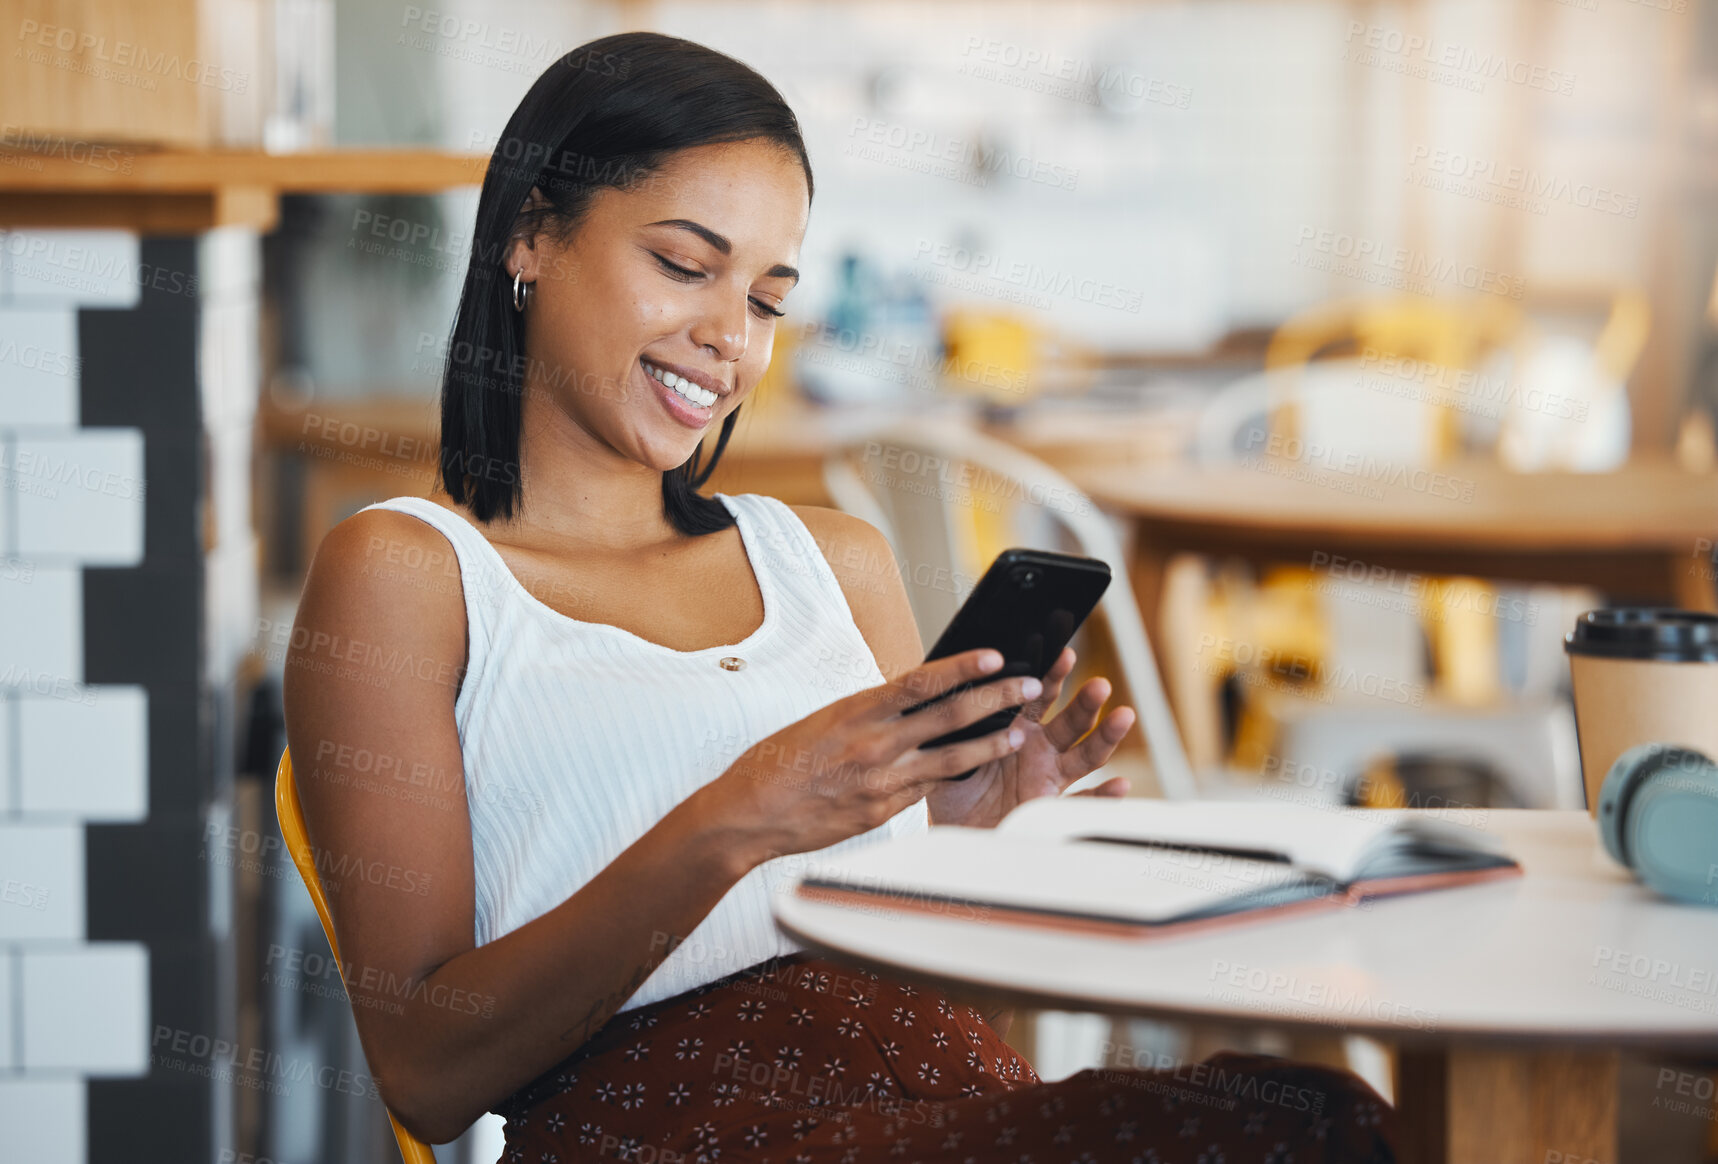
(850, 766)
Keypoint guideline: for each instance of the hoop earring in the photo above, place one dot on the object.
(521, 291)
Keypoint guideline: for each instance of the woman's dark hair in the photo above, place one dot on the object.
(607, 115)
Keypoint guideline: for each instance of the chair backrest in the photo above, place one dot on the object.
(1453, 334)
(926, 527)
(919, 530)
(286, 807)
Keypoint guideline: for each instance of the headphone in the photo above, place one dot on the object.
(1658, 815)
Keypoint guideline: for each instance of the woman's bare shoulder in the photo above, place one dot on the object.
(391, 571)
(849, 543)
(864, 565)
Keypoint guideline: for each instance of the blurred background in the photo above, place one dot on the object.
(1371, 342)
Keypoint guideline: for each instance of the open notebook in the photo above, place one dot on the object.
(1137, 867)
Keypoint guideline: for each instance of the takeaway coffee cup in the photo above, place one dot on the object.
(1642, 675)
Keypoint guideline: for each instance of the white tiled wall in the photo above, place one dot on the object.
(8, 730)
(85, 757)
(70, 268)
(80, 496)
(44, 1119)
(70, 753)
(83, 1009)
(8, 1059)
(38, 364)
(41, 623)
(41, 882)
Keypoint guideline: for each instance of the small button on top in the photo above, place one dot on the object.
(731, 662)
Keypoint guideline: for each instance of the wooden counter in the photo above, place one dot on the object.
(191, 191)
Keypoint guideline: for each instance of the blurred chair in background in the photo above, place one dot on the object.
(1360, 336)
(1570, 410)
(993, 355)
(1410, 382)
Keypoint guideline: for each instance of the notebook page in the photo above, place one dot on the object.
(987, 867)
(1328, 841)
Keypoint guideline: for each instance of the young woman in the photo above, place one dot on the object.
(563, 728)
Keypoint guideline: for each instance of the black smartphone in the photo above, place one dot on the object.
(1027, 606)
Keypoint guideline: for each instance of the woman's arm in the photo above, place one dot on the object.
(864, 565)
(451, 1029)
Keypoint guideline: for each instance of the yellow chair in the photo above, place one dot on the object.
(286, 807)
(1452, 334)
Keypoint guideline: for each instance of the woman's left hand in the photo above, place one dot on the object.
(1052, 757)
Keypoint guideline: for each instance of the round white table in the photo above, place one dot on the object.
(1508, 1001)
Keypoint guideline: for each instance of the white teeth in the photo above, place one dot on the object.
(702, 397)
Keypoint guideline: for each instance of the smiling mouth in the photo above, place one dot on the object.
(702, 397)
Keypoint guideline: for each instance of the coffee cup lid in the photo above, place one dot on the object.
(1646, 632)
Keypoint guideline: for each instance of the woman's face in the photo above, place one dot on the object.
(675, 279)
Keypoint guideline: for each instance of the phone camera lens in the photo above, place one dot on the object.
(1025, 577)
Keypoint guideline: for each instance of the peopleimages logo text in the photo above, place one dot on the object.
(89, 49)
(1349, 254)
(1453, 168)
(1443, 61)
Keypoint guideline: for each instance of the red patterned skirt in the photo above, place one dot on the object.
(808, 1061)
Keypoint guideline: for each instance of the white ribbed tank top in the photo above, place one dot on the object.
(577, 737)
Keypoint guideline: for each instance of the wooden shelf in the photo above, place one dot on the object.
(188, 192)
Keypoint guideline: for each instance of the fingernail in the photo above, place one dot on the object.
(1016, 737)
(1030, 687)
(990, 661)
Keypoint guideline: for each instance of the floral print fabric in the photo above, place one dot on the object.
(800, 1060)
